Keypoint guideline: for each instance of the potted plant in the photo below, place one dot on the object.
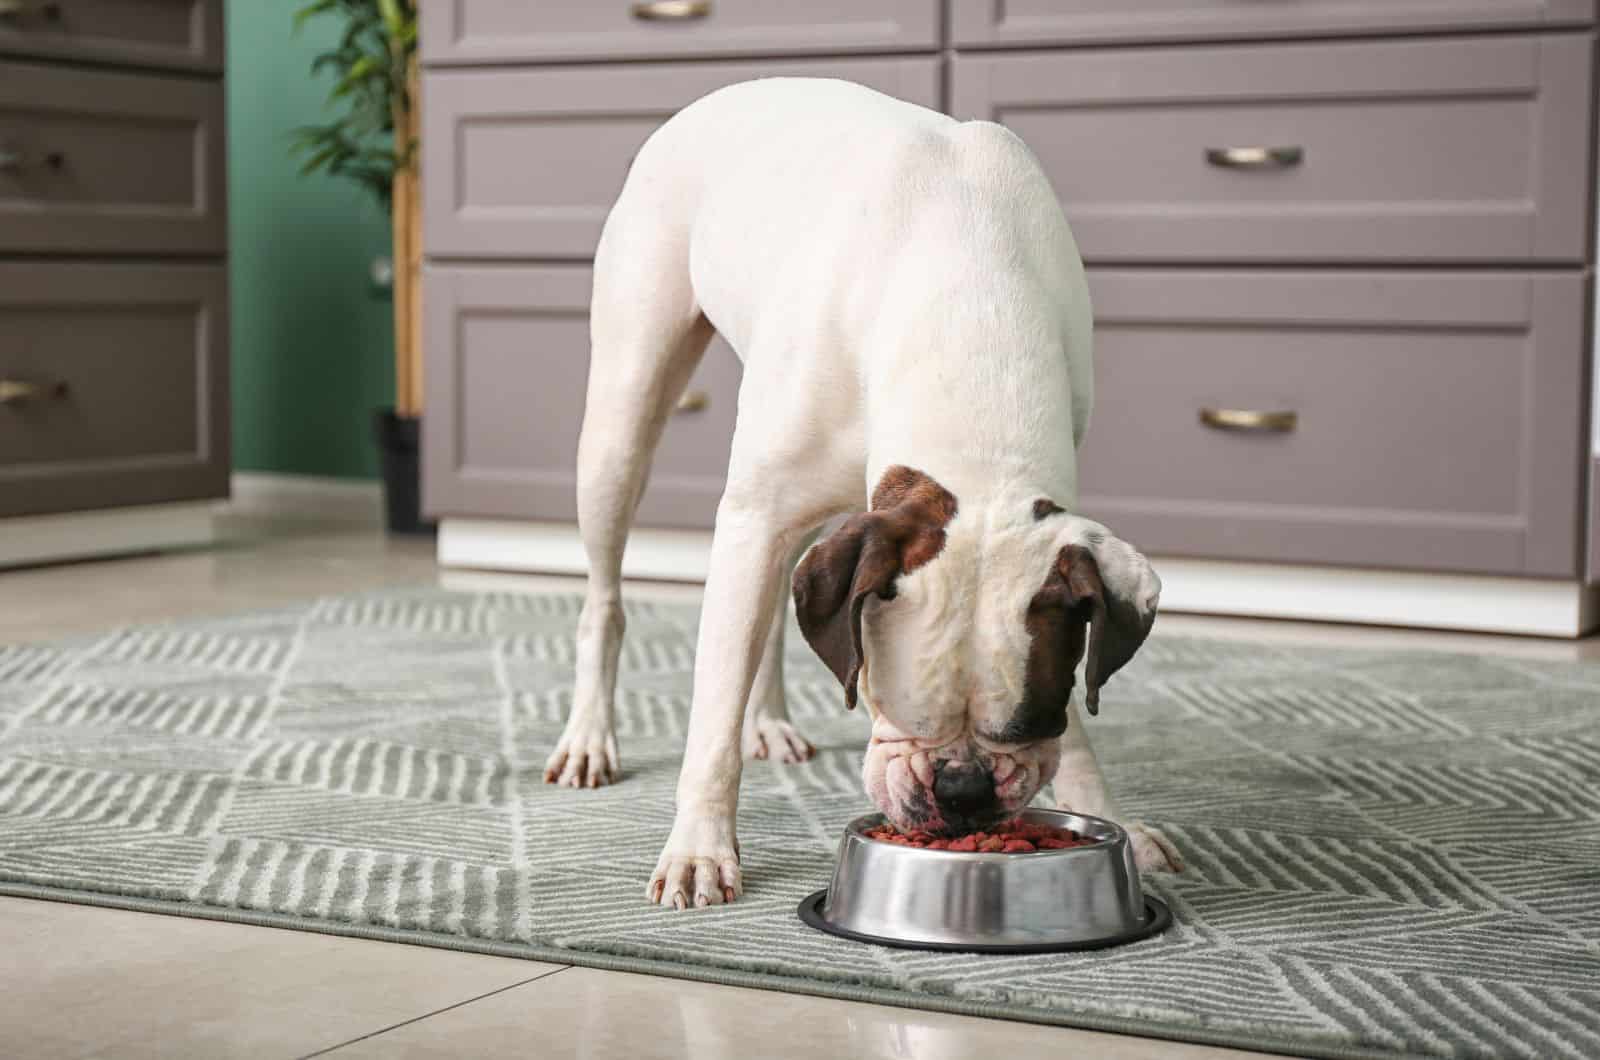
(372, 139)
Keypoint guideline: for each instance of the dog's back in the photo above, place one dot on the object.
(827, 198)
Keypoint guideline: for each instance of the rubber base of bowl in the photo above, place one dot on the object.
(1157, 918)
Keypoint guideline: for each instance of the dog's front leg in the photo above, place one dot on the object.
(700, 864)
(1080, 787)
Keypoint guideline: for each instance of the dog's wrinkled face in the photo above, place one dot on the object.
(961, 629)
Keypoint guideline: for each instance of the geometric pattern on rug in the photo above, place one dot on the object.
(1388, 853)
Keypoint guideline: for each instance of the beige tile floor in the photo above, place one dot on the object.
(85, 982)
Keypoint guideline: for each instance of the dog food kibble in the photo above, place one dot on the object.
(1013, 837)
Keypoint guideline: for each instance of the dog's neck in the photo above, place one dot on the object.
(995, 423)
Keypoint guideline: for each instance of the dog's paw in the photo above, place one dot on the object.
(585, 756)
(699, 865)
(1152, 850)
(777, 739)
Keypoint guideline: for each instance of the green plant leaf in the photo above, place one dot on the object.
(369, 60)
(393, 20)
(310, 11)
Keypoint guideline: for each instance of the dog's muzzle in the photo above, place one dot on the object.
(956, 787)
(964, 792)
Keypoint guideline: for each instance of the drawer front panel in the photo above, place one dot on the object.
(1413, 151)
(1437, 417)
(493, 31)
(508, 362)
(115, 163)
(1029, 23)
(113, 385)
(526, 164)
(174, 34)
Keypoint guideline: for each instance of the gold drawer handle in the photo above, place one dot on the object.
(1255, 157)
(20, 391)
(671, 10)
(1281, 421)
(693, 401)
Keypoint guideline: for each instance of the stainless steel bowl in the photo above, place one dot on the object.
(1082, 898)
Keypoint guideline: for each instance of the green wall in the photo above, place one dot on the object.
(312, 345)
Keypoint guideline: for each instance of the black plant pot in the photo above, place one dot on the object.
(399, 443)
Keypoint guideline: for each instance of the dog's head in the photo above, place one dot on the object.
(962, 631)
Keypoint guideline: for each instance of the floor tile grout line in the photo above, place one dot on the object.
(435, 1012)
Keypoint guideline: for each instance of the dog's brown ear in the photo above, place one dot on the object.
(861, 559)
(1116, 627)
(831, 585)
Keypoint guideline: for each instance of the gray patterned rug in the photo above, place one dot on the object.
(1389, 853)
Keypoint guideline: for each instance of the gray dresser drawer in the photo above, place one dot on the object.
(1444, 150)
(1030, 23)
(508, 363)
(175, 34)
(1439, 416)
(526, 163)
(107, 162)
(493, 31)
(128, 373)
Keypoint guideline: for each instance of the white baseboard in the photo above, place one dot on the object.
(272, 495)
(1479, 603)
(1475, 602)
(26, 539)
(554, 548)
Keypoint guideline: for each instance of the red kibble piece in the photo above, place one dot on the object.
(1013, 837)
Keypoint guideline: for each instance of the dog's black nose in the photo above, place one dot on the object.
(964, 790)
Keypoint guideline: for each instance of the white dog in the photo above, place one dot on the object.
(915, 329)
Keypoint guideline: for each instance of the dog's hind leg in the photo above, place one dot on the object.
(647, 335)
(768, 732)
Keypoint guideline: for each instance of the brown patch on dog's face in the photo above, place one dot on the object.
(900, 484)
(904, 530)
(1057, 623)
(1044, 508)
(909, 490)
(1073, 601)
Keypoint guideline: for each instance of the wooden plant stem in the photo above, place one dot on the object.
(414, 207)
(407, 258)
